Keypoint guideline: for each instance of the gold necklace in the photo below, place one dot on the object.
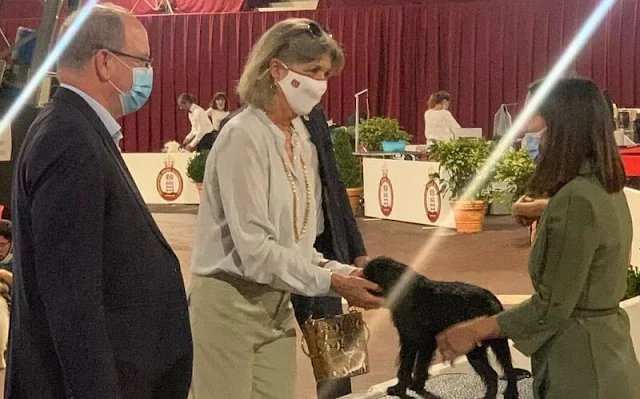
(298, 234)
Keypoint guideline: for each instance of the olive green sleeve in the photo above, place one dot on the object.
(572, 237)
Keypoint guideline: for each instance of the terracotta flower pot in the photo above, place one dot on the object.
(354, 198)
(199, 188)
(469, 215)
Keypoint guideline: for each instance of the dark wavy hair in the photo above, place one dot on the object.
(579, 130)
(218, 95)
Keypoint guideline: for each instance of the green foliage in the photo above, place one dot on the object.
(463, 159)
(348, 164)
(196, 165)
(633, 283)
(515, 169)
(376, 130)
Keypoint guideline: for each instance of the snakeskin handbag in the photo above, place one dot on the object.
(337, 346)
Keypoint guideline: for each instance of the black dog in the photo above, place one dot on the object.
(426, 308)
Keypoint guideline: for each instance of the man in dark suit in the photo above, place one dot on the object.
(99, 306)
(341, 239)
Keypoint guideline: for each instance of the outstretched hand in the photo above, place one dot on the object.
(462, 338)
(457, 340)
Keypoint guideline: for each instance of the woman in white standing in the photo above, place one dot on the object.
(438, 121)
(257, 224)
(218, 110)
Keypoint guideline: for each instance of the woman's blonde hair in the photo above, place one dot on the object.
(293, 41)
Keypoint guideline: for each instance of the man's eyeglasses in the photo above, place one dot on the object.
(147, 61)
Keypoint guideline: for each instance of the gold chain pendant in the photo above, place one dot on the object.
(298, 234)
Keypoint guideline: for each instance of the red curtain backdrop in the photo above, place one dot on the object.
(484, 53)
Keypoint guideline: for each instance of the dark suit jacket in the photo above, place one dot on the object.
(341, 239)
(99, 306)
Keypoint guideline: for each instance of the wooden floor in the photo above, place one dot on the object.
(494, 259)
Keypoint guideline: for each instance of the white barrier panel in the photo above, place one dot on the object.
(161, 178)
(402, 190)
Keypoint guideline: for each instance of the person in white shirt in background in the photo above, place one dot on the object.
(218, 110)
(438, 121)
(200, 138)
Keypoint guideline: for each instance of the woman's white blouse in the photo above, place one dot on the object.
(245, 220)
(438, 125)
(216, 117)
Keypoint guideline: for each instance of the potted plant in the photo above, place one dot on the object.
(633, 283)
(515, 169)
(460, 161)
(195, 169)
(349, 166)
(378, 134)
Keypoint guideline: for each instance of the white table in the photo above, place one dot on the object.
(402, 190)
(162, 178)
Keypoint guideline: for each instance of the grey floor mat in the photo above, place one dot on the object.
(468, 386)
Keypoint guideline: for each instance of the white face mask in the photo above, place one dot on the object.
(302, 92)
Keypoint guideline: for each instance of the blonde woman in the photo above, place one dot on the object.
(258, 222)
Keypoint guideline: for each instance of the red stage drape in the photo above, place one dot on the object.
(484, 53)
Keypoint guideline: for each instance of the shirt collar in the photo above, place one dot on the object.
(107, 119)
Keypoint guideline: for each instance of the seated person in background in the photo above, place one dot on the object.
(218, 110)
(6, 281)
(528, 210)
(438, 121)
(200, 138)
(534, 128)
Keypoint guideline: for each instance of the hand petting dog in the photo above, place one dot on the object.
(462, 338)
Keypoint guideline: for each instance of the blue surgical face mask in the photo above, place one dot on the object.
(140, 92)
(533, 142)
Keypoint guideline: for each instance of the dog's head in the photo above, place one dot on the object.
(385, 272)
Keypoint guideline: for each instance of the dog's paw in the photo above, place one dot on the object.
(520, 374)
(418, 388)
(398, 390)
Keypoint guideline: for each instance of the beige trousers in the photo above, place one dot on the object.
(244, 340)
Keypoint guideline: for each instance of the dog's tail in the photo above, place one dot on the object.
(501, 349)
